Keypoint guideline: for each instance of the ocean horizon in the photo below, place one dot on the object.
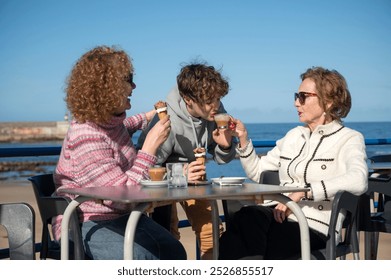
(257, 131)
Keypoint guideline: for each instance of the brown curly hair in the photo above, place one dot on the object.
(332, 89)
(97, 84)
(201, 83)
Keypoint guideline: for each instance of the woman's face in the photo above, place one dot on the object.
(310, 112)
(205, 111)
(130, 86)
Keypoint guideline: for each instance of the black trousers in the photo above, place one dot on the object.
(254, 232)
(162, 215)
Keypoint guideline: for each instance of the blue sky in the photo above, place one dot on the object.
(261, 46)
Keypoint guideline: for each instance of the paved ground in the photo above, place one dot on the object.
(21, 191)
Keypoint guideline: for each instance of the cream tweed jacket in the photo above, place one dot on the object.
(329, 159)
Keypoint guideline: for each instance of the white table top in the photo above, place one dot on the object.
(149, 195)
(135, 194)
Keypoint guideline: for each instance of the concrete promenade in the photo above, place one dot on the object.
(21, 191)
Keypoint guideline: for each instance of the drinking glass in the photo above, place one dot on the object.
(177, 175)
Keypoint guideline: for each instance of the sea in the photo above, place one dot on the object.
(257, 131)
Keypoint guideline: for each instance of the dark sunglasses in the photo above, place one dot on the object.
(129, 79)
(303, 95)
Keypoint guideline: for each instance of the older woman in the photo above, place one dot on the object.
(324, 156)
(98, 151)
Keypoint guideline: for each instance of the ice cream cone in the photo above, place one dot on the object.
(200, 155)
(161, 109)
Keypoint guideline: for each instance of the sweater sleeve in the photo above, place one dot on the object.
(224, 156)
(93, 162)
(253, 165)
(136, 122)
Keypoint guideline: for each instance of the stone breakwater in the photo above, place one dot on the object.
(32, 131)
(29, 132)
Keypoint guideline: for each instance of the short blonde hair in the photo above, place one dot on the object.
(332, 89)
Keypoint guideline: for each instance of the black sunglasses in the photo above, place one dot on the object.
(303, 95)
(129, 79)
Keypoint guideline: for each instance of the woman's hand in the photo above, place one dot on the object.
(281, 211)
(157, 135)
(223, 137)
(239, 130)
(195, 170)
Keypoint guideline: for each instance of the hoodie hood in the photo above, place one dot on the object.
(187, 132)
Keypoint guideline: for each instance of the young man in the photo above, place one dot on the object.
(192, 106)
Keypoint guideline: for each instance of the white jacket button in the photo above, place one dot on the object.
(320, 207)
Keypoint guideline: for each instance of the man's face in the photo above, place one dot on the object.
(205, 111)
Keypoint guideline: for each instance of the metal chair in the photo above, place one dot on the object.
(344, 202)
(347, 203)
(19, 221)
(375, 219)
(381, 158)
(49, 207)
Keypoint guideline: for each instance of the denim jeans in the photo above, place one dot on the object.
(104, 240)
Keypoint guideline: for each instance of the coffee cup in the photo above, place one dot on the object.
(157, 173)
(222, 120)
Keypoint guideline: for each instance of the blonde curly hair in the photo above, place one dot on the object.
(97, 84)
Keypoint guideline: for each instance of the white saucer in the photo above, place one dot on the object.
(153, 184)
(228, 181)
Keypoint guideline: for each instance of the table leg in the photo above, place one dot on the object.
(302, 220)
(215, 228)
(130, 230)
(371, 244)
(65, 225)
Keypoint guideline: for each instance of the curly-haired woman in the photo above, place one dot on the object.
(98, 151)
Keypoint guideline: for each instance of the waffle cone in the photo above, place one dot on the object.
(162, 115)
(200, 156)
(161, 109)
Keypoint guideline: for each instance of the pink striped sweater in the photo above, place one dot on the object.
(101, 155)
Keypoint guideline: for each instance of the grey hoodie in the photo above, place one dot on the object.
(186, 132)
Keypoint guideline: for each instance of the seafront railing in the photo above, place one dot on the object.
(55, 150)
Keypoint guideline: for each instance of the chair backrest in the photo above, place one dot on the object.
(49, 207)
(374, 219)
(346, 203)
(269, 177)
(19, 221)
(376, 222)
(381, 158)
